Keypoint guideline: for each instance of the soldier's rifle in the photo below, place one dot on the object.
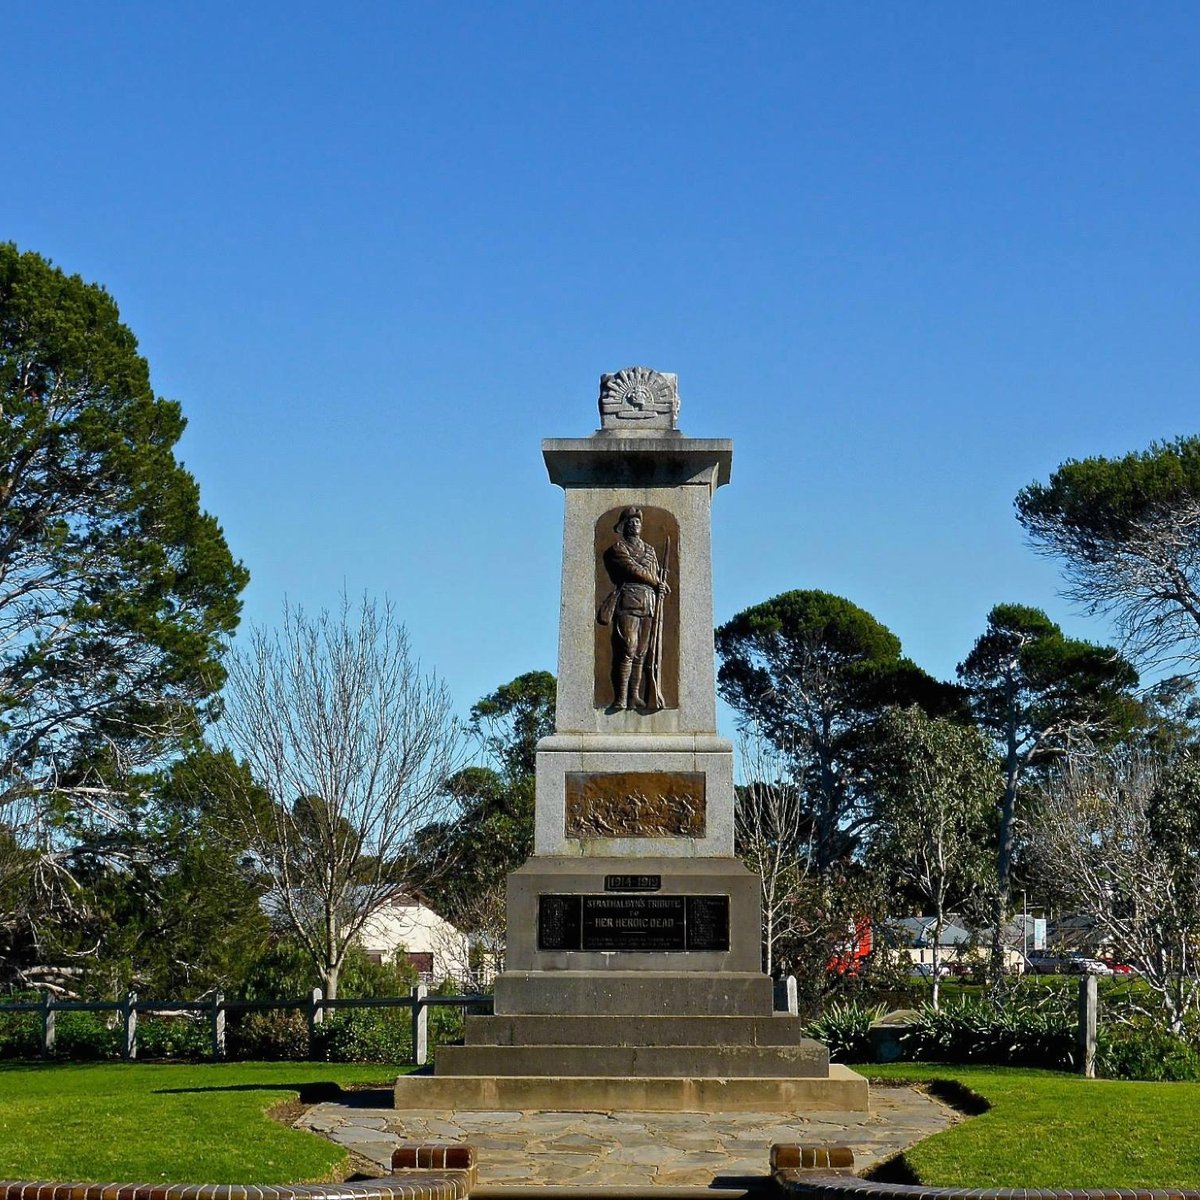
(657, 653)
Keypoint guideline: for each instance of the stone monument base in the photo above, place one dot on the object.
(841, 1090)
(634, 983)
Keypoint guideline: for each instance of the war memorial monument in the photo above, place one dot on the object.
(633, 969)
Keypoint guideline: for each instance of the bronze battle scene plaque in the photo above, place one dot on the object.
(617, 804)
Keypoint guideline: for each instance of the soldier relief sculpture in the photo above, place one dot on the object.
(635, 611)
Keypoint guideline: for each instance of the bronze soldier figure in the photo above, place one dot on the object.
(639, 586)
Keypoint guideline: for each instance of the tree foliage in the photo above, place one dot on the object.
(117, 592)
(491, 830)
(1128, 532)
(1038, 693)
(510, 721)
(1170, 720)
(167, 903)
(814, 673)
(935, 820)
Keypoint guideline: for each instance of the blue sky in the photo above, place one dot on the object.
(909, 257)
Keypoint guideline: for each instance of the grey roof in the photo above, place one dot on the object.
(918, 932)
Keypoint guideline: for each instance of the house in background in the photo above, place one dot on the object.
(958, 948)
(402, 927)
(399, 927)
(1078, 933)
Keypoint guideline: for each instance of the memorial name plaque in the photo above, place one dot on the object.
(632, 883)
(633, 923)
(707, 922)
(558, 922)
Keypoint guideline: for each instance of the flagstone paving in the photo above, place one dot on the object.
(628, 1147)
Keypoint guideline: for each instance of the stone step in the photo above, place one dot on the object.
(805, 1058)
(842, 1091)
(634, 993)
(515, 1030)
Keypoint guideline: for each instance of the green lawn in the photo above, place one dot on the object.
(151, 1123)
(208, 1124)
(1045, 1129)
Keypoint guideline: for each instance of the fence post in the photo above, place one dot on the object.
(1087, 1026)
(316, 1016)
(218, 1026)
(420, 1025)
(129, 1016)
(48, 1015)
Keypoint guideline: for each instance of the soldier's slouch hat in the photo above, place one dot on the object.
(626, 513)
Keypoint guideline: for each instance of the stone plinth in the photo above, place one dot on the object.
(724, 877)
(634, 993)
(840, 1091)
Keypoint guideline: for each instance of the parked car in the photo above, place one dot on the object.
(1083, 964)
(1043, 964)
(1118, 968)
(1066, 964)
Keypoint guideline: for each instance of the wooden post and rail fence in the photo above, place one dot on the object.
(216, 1006)
(315, 1007)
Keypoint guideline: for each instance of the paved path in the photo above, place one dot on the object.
(627, 1147)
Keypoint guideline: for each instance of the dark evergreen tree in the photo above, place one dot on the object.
(492, 831)
(814, 674)
(117, 591)
(1128, 533)
(1038, 693)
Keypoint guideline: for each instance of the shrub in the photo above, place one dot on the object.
(843, 1028)
(362, 977)
(173, 1037)
(1145, 1052)
(1018, 1034)
(282, 969)
(86, 1035)
(270, 1035)
(445, 1021)
(375, 1035)
(20, 1033)
(285, 969)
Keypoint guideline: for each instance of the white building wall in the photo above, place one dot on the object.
(405, 927)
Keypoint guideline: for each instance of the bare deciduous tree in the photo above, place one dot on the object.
(1104, 839)
(773, 837)
(352, 741)
(483, 919)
